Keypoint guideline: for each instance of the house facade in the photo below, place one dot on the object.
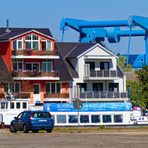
(31, 56)
(47, 71)
(96, 75)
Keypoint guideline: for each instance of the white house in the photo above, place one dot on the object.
(96, 75)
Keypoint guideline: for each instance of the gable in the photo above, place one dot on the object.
(98, 51)
(32, 32)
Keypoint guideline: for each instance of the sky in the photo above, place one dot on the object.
(49, 13)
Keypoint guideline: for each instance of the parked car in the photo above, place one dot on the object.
(32, 121)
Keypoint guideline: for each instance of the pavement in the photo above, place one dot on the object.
(98, 139)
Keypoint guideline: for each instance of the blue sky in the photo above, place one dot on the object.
(48, 13)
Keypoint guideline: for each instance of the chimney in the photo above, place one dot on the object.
(7, 26)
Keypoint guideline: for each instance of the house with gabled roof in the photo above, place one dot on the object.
(32, 58)
(95, 72)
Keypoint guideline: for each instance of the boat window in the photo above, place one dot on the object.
(95, 118)
(3, 105)
(12, 105)
(118, 118)
(24, 105)
(61, 119)
(73, 119)
(107, 118)
(84, 119)
(18, 105)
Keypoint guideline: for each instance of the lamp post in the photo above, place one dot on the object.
(77, 103)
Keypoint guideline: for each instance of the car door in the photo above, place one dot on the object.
(19, 122)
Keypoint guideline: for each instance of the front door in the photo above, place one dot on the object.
(36, 95)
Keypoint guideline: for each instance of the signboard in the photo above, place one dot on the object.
(77, 104)
(88, 107)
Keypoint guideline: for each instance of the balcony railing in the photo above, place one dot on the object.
(31, 52)
(35, 74)
(22, 95)
(47, 95)
(101, 95)
(100, 74)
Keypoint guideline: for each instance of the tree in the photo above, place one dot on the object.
(122, 61)
(143, 78)
(136, 93)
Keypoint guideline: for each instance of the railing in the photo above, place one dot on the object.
(22, 95)
(35, 74)
(102, 94)
(101, 73)
(31, 52)
(47, 95)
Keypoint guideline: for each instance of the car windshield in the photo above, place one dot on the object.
(41, 115)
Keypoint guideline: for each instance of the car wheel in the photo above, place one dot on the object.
(35, 131)
(49, 130)
(12, 129)
(25, 128)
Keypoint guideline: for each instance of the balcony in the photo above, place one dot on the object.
(102, 74)
(29, 75)
(103, 96)
(22, 95)
(34, 54)
(62, 98)
(47, 95)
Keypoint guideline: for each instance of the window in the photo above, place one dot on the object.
(53, 88)
(18, 105)
(84, 118)
(32, 42)
(114, 87)
(46, 45)
(118, 118)
(106, 118)
(104, 65)
(12, 105)
(91, 64)
(24, 105)
(36, 89)
(73, 119)
(83, 87)
(17, 44)
(29, 66)
(14, 45)
(17, 65)
(97, 86)
(95, 118)
(34, 67)
(47, 66)
(16, 87)
(61, 119)
(5, 87)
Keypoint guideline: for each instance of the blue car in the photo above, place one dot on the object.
(32, 121)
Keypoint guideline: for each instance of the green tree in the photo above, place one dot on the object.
(136, 93)
(122, 63)
(143, 78)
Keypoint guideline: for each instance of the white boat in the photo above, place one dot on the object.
(93, 114)
(12, 108)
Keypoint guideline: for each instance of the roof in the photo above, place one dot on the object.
(61, 66)
(70, 50)
(4, 36)
(5, 76)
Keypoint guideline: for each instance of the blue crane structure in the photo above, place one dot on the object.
(96, 31)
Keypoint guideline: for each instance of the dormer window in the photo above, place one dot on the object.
(46, 45)
(17, 44)
(32, 42)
